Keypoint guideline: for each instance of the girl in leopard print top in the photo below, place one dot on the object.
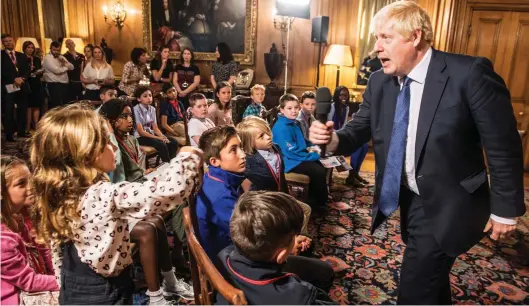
(87, 218)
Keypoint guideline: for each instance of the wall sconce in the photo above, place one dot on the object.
(117, 13)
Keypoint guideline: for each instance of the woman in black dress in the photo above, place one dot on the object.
(36, 97)
(186, 76)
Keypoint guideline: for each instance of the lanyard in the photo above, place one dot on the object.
(176, 107)
(134, 156)
(277, 177)
(13, 58)
(215, 178)
(256, 282)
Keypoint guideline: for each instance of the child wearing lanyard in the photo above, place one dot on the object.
(265, 169)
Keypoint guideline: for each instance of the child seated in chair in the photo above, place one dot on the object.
(199, 123)
(265, 169)
(172, 114)
(256, 108)
(221, 187)
(107, 93)
(146, 129)
(264, 228)
(306, 115)
(295, 149)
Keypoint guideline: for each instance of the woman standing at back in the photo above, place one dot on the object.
(224, 69)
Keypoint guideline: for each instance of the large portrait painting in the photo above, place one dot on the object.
(201, 25)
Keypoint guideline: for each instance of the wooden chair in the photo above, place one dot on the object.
(296, 180)
(204, 274)
(151, 152)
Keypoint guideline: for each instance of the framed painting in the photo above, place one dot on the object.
(201, 25)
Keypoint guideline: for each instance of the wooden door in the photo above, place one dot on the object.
(503, 37)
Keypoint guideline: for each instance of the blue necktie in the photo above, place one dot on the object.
(389, 194)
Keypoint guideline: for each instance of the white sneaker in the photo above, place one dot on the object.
(182, 289)
(163, 301)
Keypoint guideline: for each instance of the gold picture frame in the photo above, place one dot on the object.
(250, 35)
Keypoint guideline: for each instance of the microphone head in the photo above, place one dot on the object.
(323, 101)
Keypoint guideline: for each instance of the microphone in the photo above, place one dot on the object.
(323, 107)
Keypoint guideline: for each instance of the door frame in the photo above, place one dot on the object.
(458, 38)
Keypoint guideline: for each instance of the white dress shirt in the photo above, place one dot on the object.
(54, 70)
(418, 77)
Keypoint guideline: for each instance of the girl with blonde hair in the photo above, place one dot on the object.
(89, 220)
(24, 265)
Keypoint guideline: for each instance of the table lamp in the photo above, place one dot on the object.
(339, 55)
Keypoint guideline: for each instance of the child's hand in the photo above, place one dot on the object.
(149, 170)
(302, 244)
(164, 139)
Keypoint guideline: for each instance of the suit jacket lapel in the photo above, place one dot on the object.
(434, 87)
(391, 91)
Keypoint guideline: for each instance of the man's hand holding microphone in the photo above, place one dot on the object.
(321, 131)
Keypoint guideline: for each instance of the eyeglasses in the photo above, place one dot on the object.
(125, 116)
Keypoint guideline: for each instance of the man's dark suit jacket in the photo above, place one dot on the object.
(465, 108)
(9, 71)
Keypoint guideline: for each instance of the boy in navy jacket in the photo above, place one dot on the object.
(221, 187)
(287, 134)
(264, 229)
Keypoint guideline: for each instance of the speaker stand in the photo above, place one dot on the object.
(289, 24)
(318, 69)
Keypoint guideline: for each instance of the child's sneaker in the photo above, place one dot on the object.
(182, 289)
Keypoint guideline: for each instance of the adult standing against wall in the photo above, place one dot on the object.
(224, 69)
(75, 88)
(36, 96)
(430, 115)
(56, 67)
(96, 73)
(14, 88)
(186, 77)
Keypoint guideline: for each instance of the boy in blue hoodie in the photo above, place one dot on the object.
(287, 134)
(221, 187)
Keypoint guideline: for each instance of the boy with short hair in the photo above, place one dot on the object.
(256, 108)
(221, 187)
(107, 93)
(306, 115)
(172, 114)
(264, 228)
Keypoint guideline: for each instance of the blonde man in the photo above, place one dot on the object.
(430, 115)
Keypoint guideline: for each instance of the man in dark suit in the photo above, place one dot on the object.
(15, 71)
(430, 115)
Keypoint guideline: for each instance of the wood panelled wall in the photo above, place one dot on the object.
(84, 19)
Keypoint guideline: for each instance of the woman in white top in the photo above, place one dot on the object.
(96, 73)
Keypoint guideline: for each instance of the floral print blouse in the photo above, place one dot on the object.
(130, 71)
(102, 236)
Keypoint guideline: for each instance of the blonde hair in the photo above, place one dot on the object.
(257, 87)
(7, 165)
(406, 17)
(245, 131)
(63, 151)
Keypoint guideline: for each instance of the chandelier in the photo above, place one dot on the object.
(117, 13)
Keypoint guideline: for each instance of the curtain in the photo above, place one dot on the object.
(20, 18)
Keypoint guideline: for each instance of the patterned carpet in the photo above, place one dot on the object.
(367, 266)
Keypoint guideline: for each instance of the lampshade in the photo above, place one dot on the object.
(22, 40)
(47, 44)
(79, 45)
(339, 55)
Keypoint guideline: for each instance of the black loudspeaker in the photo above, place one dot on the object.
(320, 29)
